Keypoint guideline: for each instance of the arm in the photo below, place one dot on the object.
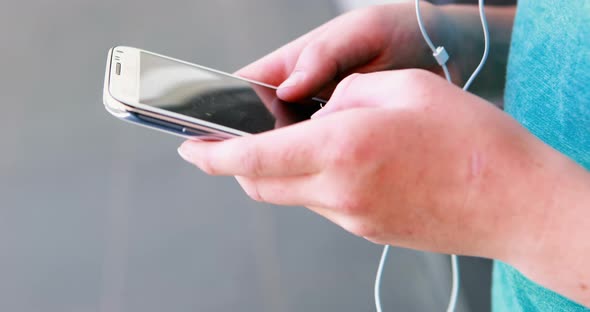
(403, 158)
(555, 217)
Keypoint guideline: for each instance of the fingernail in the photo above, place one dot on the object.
(295, 78)
(182, 151)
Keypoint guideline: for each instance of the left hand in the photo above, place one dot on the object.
(398, 157)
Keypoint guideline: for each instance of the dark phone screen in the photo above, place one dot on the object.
(214, 97)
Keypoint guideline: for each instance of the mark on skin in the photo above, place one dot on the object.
(476, 164)
(583, 287)
(476, 168)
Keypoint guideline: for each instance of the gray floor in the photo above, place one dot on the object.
(99, 215)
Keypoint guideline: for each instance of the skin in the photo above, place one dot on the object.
(402, 157)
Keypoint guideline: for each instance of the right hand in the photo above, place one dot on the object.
(368, 40)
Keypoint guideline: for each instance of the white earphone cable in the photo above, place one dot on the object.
(441, 56)
(486, 49)
(377, 289)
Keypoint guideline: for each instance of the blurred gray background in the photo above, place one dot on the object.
(100, 215)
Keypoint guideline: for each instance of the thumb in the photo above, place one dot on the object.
(346, 96)
(325, 58)
(314, 69)
(392, 89)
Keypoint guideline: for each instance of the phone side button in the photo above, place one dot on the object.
(201, 135)
(189, 131)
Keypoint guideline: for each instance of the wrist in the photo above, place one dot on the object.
(556, 199)
(520, 196)
(529, 206)
(556, 251)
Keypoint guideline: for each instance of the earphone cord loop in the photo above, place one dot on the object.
(441, 56)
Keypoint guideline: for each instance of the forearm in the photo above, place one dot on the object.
(556, 253)
(541, 217)
(464, 32)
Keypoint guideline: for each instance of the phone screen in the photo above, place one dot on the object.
(214, 97)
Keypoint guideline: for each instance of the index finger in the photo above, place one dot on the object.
(276, 67)
(287, 151)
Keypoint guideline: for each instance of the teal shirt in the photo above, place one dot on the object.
(548, 92)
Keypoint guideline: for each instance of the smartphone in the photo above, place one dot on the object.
(193, 101)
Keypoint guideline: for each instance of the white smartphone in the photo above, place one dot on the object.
(193, 101)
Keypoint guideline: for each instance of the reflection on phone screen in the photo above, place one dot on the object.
(214, 97)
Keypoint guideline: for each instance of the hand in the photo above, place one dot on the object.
(401, 158)
(363, 41)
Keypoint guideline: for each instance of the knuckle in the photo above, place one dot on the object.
(345, 88)
(289, 155)
(316, 53)
(350, 151)
(371, 13)
(360, 228)
(421, 88)
(416, 77)
(206, 164)
(348, 80)
(254, 192)
(316, 47)
(339, 158)
(250, 162)
(320, 54)
(352, 204)
(370, 18)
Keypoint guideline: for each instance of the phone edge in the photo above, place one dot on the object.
(127, 112)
